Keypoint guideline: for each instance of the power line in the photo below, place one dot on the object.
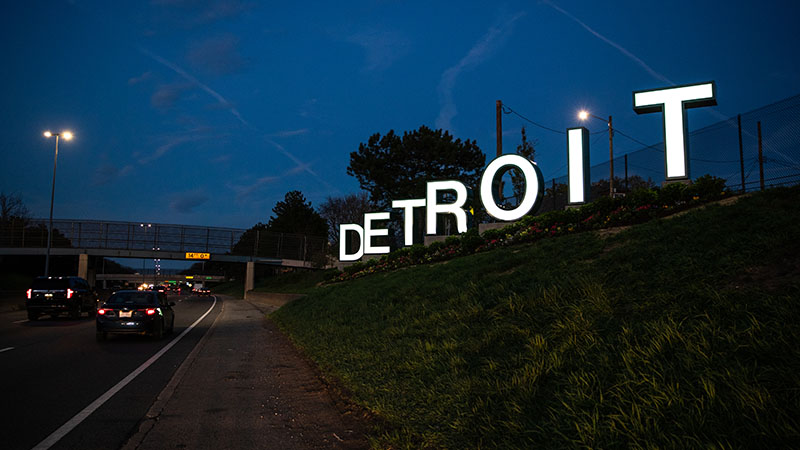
(511, 111)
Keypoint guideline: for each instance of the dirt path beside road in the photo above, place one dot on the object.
(248, 387)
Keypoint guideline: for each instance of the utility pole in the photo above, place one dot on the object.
(611, 157)
(500, 140)
(760, 158)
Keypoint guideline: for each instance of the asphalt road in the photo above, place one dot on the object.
(53, 368)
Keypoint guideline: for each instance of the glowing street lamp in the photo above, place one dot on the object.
(67, 135)
(584, 115)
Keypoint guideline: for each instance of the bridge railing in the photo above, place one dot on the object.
(90, 234)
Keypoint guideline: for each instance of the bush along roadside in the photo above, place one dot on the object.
(639, 206)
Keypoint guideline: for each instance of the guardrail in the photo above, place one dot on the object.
(92, 234)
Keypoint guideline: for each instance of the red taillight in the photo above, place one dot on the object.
(69, 293)
(150, 311)
(102, 311)
(30, 293)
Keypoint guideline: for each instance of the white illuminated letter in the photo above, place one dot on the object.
(408, 211)
(674, 102)
(343, 229)
(533, 187)
(369, 233)
(578, 164)
(454, 208)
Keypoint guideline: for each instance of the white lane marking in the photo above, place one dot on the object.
(21, 321)
(56, 436)
(6, 349)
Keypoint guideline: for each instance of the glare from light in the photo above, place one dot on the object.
(583, 115)
(48, 134)
(67, 135)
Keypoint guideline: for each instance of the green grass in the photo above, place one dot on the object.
(232, 288)
(677, 333)
(299, 282)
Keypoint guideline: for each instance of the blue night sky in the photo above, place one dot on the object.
(206, 112)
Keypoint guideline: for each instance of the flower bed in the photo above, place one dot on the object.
(639, 206)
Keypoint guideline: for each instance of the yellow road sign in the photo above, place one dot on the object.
(191, 255)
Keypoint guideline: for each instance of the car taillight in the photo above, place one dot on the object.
(102, 311)
(30, 293)
(69, 293)
(150, 311)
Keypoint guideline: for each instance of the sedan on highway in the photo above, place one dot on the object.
(139, 312)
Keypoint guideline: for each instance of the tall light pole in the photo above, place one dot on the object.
(67, 136)
(583, 115)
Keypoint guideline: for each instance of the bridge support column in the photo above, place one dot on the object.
(83, 266)
(249, 280)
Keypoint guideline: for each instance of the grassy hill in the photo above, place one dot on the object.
(681, 332)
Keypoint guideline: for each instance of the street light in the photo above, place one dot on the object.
(584, 115)
(67, 135)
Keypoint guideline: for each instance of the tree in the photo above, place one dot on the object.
(295, 215)
(12, 207)
(526, 150)
(391, 167)
(347, 209)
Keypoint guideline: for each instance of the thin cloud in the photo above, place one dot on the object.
(167, 95)
(203, 12)
(195, 82)
(608, 41)
(169, 143)
(290, 133)
(141, 78)
(235, 112)
(107, 172)
(382, 47)
(218, 55)
(480, 52)
(186, 202)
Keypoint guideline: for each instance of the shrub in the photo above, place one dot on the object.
(707, 188)
(641, 197)
(470, 241)
(672, 194)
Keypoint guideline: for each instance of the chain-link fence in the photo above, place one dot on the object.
(728, 149)
(89, 234)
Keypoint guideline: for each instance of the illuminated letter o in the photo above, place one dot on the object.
(533, 187)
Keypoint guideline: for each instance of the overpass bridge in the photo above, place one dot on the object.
(114, 239)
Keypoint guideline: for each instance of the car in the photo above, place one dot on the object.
(56, 295)
(135, 312)
(203, 291)
(158, 288)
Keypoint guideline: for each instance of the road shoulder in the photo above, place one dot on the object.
(246, 386)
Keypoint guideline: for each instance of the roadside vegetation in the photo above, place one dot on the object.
(678, 332)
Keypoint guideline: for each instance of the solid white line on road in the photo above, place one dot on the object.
(56, 436)
(6, 349)
(21, 321)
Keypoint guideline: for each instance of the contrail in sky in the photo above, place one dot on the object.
(175, 68)
(608, 41)
(196, 82)
(479, 52)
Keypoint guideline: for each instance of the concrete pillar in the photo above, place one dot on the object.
(249, 280)
(83, 266)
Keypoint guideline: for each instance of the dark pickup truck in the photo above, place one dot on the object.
(54, 295)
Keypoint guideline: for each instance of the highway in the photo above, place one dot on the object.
(52, 369)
